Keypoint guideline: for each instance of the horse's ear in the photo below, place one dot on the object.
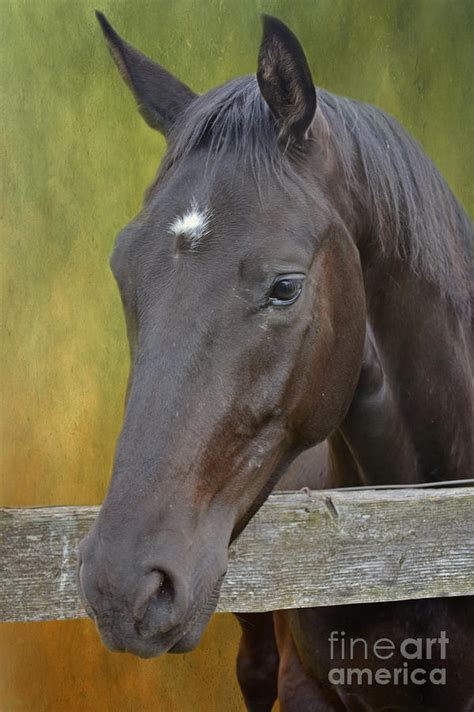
(285, 80)
(160, 96)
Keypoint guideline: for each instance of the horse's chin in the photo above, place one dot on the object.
(184, 644)
(154, 648)
(191, 638)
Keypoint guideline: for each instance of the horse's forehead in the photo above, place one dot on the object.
(193, 208)
(192, 224)
(265, 228)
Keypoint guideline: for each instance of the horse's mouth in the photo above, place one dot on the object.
(182, 639)
(195, 627)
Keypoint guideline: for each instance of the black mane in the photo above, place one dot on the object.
(412, 211)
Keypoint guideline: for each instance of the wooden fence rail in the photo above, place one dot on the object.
(301, 549)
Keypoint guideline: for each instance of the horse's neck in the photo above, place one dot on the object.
(411, 418)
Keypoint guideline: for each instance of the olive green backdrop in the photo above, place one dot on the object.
(75, 159)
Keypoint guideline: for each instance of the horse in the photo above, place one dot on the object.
(297, 290)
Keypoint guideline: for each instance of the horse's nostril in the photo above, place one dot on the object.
(162, 579)
(153, 584)
(155, 611)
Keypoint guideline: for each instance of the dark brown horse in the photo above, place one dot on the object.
(299, 274)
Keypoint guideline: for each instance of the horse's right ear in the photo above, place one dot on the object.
(160, 96)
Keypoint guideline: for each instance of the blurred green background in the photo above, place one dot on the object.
(75, 159)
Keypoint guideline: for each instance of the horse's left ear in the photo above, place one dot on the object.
(285, 80)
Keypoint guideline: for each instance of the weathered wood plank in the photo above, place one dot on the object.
(301, 549)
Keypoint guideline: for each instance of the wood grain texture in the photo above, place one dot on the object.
(301, 549)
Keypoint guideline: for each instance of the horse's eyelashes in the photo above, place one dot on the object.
(286, 290)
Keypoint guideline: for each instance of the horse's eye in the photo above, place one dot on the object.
(286, 290)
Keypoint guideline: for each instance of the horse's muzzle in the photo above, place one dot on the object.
(148, 614)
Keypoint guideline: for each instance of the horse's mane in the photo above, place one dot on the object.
(413, 214)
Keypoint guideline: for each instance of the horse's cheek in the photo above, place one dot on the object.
(336, 341)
